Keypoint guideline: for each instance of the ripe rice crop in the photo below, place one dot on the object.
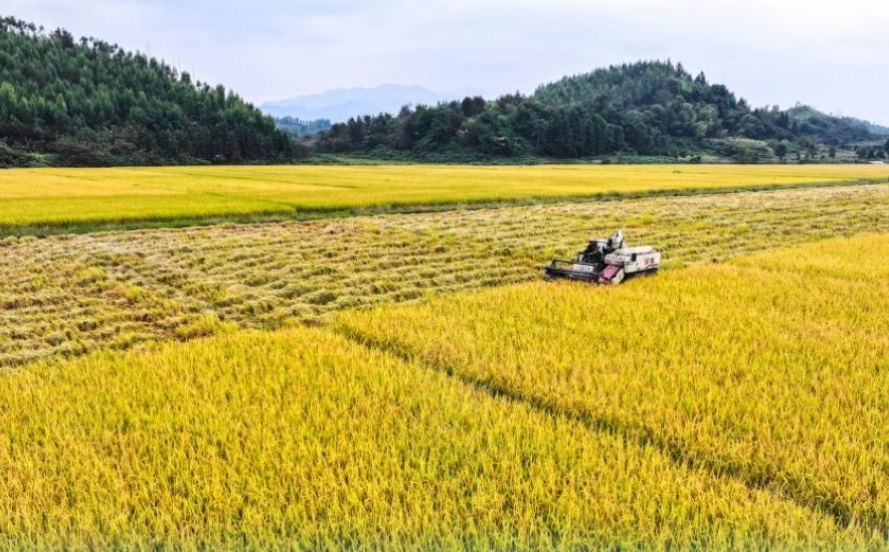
(770, 368)
(59, 197)
(66, 295)
(301, 440)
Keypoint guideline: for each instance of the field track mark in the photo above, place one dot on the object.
(642, 436)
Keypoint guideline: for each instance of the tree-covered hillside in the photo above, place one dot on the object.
(807, 121)
(643, 109)
(873, 128)
(86, 102)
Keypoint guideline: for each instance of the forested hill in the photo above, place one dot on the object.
(85, 102)
(643, 109)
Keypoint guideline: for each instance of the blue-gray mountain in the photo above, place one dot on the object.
(873, 128)
(339, 105)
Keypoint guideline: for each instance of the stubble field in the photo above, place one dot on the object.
(66, 295)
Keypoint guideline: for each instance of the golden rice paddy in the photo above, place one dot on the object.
(770, 368)
(59, 197)
(301, 440)
(403, 382)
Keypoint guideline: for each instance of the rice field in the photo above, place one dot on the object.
(302, 440)
(47, 198)
(405, 381)
(771, 368)
(67, 295)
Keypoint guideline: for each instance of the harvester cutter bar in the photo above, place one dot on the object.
(588, 273)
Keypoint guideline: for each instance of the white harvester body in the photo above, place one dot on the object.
(628, 262)
(607, 262)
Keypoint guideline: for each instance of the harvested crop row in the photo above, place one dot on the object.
(772, 368)
(300, 440)
(689, 230)
(67, 295)
(70, 294)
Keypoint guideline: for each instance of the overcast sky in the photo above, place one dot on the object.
(828, 54)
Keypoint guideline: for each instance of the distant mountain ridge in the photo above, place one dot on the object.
(342, 103)
(829, 129)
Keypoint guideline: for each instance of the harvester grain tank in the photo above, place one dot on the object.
(607, 262)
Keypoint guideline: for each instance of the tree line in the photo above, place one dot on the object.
(302, 128)
(88, 102)
(648, 108)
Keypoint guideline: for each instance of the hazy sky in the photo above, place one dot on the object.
(828, 54)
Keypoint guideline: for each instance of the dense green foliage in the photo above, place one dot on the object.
(871, 127)
(302, 128)
(809, 122)
(873, 152)
(648, 108)
(88, 102)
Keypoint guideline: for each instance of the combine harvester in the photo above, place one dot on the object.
(607, 262)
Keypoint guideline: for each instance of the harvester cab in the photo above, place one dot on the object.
(606, 262)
